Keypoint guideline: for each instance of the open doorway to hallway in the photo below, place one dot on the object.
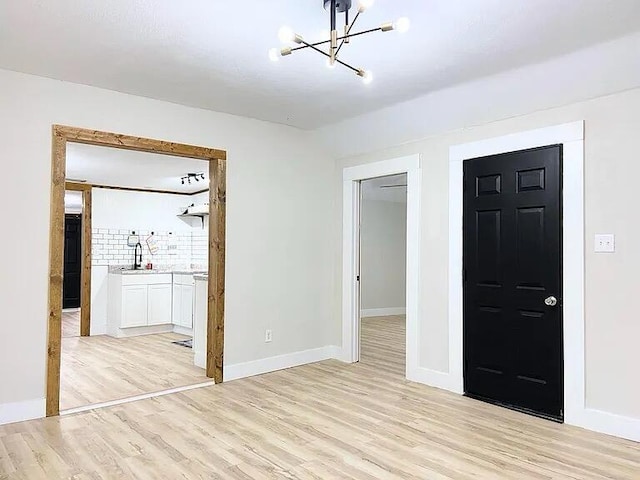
(383, 254)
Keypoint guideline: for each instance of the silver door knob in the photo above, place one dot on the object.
(551, 301)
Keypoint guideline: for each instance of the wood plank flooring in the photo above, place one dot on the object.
(101, 368)
(323, 421)
(382, 343)
(71, 324)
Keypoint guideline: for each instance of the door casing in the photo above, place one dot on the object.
(352, 177)
(61, 135)
(571, 136)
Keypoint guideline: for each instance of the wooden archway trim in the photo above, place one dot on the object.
(61, 135)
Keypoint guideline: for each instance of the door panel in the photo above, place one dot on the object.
(512, 262)
(134, 306)
(159, 304)
(187, 306)
(72, 261)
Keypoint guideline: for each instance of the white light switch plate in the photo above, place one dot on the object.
(605, 243)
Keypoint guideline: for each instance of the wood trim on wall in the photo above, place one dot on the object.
(56, 268)
(85, 277)
(217, 231)
(146, 190)
(85, 285)
(216, 284)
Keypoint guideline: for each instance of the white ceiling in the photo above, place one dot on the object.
(73, 201)
(127, 168)
(213, 54)
(377, 188)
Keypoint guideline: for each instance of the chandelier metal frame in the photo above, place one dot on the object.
(337, 40)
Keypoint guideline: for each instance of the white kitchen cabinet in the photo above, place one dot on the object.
(183, 290)
(159, 304)
(177, 304)
(134, 306)
(186, 304)
(200, 321)
(139, 304)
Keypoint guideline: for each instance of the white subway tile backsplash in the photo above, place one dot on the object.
(109, 247)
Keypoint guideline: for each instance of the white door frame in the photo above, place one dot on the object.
(350, 252)
(571, 136)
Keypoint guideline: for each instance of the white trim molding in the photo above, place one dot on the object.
(382, 312)
(352, 177)
(22, 411)
(571, 136)
(280, 362)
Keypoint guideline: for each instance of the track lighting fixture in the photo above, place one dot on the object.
(336, 40)
(195, 176)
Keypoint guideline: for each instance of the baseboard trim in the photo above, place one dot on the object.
(608, 423)
(279, 362)
(382, 312)
(179, 329)
(434, 378)
(22, 411)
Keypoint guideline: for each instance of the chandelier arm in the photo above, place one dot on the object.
(313, 47)
(347, 33)
(310, 45)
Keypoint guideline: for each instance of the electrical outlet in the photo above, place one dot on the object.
(267, 336)
(605, 243)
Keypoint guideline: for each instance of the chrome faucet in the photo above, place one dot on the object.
(137, 257)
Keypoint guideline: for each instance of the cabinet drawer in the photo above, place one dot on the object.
(145, 278)
(183, 279)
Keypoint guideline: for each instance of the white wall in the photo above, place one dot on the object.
(139, 210)
(611, 170)
(383, 254)
(279, 213)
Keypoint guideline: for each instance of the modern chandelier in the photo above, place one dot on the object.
(336, 40)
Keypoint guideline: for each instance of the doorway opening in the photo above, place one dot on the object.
(72, 273)
(382, 267)
(120, 240)
(353, 180)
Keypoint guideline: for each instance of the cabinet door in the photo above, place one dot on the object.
(134, 306)
(187, 306)
(159, 304)
(176, 317)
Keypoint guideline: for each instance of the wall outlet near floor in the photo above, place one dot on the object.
(605, 243)
(267, 336)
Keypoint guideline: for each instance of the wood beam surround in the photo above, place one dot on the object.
(216, 284)
(85, 277)
(138, 144)
(77, 187)
(85, 285)
(88, 186)
(56, 268)
(217, 231)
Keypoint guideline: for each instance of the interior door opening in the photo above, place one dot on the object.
(141, 271)
(72, 273)
(512, 260)
(382, 256)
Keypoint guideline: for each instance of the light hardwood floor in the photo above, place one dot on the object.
(323, 421)
(382, 343)
(71, 324)
(101, 368)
